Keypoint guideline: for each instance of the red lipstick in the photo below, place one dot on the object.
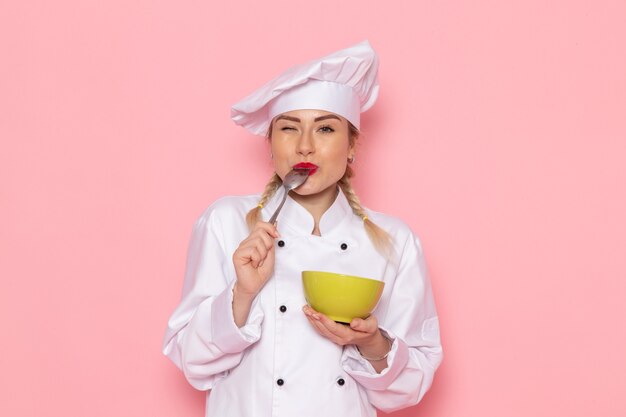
(307, 165)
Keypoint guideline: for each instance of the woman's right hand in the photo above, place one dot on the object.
(254, 259)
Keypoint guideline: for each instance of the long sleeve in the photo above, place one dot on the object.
(202, 338)
(411, 321)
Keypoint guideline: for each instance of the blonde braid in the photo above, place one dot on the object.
(254, 215)
(380, 238)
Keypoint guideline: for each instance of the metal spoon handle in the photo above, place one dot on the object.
(272, 219)
(295, 178)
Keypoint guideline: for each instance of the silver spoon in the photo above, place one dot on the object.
(295, 178)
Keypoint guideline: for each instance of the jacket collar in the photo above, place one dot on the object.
(299, 221)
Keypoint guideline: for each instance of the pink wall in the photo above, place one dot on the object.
(500, 136)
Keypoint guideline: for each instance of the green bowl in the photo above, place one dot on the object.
(341, 297)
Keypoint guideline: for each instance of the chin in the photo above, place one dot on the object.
(312, 189)
(305, 191)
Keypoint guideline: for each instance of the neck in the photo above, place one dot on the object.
(317, 204)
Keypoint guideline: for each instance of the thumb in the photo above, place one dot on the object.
(267, 265)
(357, 324)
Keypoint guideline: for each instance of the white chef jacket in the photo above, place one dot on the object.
(277, 364)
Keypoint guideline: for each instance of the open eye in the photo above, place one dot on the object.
(326, 129)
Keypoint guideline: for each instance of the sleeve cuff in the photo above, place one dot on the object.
(225, 334)
(364, 373)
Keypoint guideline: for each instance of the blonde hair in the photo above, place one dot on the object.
(254, 215)
(381, 240)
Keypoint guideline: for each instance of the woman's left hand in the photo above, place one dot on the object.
(363, 333)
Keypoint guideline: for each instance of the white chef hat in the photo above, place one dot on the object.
(344, 83)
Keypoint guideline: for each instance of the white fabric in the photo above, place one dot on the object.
(240, 366)
(327, 95)
(344, 83)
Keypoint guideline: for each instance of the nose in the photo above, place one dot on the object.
(305, 144)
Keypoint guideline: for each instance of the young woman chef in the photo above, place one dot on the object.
(242, 330)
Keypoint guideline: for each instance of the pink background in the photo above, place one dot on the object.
(499, 136)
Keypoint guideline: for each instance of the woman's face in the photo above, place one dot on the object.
(311, 136)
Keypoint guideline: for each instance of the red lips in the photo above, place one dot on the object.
(311, 167)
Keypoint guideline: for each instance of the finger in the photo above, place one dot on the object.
(259, 237)
(322, 330)
(262, 237)
(268, 255)
(358, 324)
(315, 319)
(261, 249)
(316, 327)
(253, 245)
(309, 316)
(327, 322)
(270, 229)
(341, 332)
(308, 310)
(339, 329)
(242, 255)
(255, 257)
(312, 321)
(363, 326)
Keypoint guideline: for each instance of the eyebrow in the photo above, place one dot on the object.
(328, 116)
(317, 119)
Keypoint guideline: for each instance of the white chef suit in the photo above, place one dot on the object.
(277, 364)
